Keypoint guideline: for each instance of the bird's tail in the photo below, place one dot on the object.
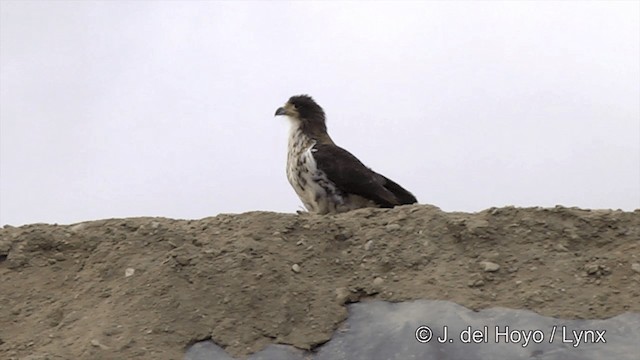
(404, 196)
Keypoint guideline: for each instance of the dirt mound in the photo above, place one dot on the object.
(148, 287)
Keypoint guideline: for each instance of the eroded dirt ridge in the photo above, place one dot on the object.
(147, 287)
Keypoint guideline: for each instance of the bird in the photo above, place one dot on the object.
(327, 178)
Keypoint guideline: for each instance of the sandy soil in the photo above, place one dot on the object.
(149, 287)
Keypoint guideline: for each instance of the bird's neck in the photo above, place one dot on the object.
(299, 141)
(305, 135)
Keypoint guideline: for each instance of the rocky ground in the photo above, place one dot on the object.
(145, 288)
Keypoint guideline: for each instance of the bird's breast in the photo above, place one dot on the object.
(310, 184)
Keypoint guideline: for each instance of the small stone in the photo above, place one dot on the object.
(635, 267)
(378, 281)
(155, 224)
(295, 268)
(518, 282)
(560, 247)
(96, 343)
(256, 237)
(393, 227)
(342, 294)
(183, 260)
(591, 268)
(129, 271)
(368, 245)
(489, 266)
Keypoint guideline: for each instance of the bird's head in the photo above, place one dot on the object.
(305, 113)
(301, 107)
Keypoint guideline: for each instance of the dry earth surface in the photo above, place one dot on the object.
(146, 288)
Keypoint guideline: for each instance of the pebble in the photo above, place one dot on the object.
(560, 247)
(591, 268)
(378, 281)
(295, 268)
(342, 294)
(635, 267)
(368, 245)
(97, 343)
(393, 227)
(489, 266)
(129, 271)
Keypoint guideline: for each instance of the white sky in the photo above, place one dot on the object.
(146, 108)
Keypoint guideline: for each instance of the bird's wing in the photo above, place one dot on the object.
(353, 177)
(403, 195)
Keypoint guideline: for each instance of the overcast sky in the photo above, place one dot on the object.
(148, 108)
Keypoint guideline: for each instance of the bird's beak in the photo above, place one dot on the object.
(280, 111)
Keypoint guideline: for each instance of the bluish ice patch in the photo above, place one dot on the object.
(379, 330)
